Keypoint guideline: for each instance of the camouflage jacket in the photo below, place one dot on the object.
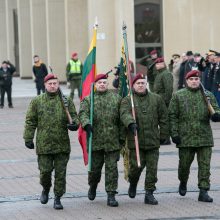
(106, 120)
(163, 85)
(190, 119)
(46, 114)
(151, 112)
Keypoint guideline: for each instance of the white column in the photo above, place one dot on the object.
(56, 36)
(38, 29)
(24, 32)
(3, 36)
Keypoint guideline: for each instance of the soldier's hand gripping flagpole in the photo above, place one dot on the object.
(207, 100)
(91, 122)
(124, 27)
(64, 102)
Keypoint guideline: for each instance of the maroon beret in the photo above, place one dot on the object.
(74, 54)
(137, 77)
(153, 52)
(192, 73)
(101, 76)
(159, 60)
(50, 76)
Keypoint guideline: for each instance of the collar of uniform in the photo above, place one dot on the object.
(141, 94)
(101, 93)
(193, 89)
(161, 70)
(51, 95)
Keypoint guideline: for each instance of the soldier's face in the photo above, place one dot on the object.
(140, 86)
(160, 65)
(101, 85)
(52, 85)
(154, 56)
(193, 82)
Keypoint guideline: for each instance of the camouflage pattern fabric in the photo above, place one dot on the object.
(151, 112)
(163, 85)
(111, 170)
(107, 128)
(189, 118)
(46, 164)
(149, 159)
(107, 131)
(186, 157)
(46, 115)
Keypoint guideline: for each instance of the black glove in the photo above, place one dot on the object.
(72, 127)
(215, 117)
(176, 140)
(88, 129)
(133, 128)
(29, 144)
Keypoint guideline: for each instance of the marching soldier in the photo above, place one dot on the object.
(106, 141)
(151, 127)
(46, 114)
(190, 130)
(163, 85)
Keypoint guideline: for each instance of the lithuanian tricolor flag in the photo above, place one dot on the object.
(88, 76)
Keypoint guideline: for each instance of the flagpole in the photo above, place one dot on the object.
(124, 27)
(91, 122)
(91, 112)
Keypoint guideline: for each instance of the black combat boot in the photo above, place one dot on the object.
(204, 197)
(111, 200)
(44, 196)
(149, 198)
(182, 188)
(57, 204)
(92, 192)
(132, 190)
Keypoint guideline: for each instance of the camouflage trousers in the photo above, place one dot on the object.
(148, 159)
(75, 84)
(111, 169)
(46, 164)
(186, 157)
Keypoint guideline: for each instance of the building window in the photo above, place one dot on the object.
(148, 27)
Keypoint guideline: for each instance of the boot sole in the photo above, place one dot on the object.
(148, 203)
(201, 200)
(131, 196)
(116, 205)
(58, 208)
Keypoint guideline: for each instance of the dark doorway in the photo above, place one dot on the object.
(16, 41)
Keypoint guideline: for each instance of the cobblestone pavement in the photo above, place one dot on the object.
(20, 189)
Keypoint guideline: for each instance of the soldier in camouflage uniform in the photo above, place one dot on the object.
(106, 141)
(191, 132)
(47, 115)
(163, 83)
(151, 127)
(151, 69)
(163, 86)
